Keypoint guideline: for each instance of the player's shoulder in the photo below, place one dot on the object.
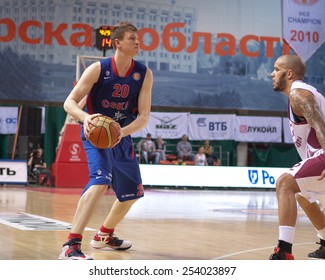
(105, 61)
(301, 85)
(140, 65)
(94, 65)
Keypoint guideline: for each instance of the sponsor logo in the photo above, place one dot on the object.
(118, 116)
(243, 128)
(128, 195)
(201, 122)
(136, 76)
(262, 178)
(166, 122)
(253, 176)
(107, 75)
(257, 129)
(9, 120)
(74, 150)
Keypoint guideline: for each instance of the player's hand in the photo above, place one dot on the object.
(89, 123)
(119, 137)
(322, 176)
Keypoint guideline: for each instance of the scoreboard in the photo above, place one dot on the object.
(103, 38)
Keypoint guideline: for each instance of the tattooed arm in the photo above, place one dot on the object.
(304, 105)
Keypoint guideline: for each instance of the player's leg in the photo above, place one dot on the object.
(100, 179)
(317, 218)
(105, 237)
(301, 178)
(118, 212)
(286, 187)
(71, 250)
(86, 207)
(313, 211)
(127, 184)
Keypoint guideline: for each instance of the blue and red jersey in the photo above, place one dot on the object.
(115, 96)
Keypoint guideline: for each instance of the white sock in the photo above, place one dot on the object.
(321, 233)
(286, 233)
(102, 233)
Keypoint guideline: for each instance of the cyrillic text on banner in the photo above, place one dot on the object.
(258, 129)
(211, 127)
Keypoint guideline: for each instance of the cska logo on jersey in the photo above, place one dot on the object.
(136, 76)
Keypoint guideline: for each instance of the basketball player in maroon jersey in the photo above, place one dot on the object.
(304, 181)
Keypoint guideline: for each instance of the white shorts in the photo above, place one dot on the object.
(306, 173)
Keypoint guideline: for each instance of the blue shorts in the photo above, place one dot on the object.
(117, 167)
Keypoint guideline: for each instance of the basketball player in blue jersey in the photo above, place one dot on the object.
(118, 87)
(304, 182)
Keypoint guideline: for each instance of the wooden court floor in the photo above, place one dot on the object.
(167, 224)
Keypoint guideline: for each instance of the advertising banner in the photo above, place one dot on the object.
(211, 127)
(167, 125)
(8, 120)
(258, 129)
(13, 171)
(210, 176)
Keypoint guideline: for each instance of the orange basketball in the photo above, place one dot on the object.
(105, 134)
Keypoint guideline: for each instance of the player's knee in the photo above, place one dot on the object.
(286, 183)
(95, 189)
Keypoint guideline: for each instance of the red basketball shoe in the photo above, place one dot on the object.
(280, 255)
(110, 241)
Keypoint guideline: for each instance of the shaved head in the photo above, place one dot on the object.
(294, 63)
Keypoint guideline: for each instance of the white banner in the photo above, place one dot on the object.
(304, 25)
(211, 127)
(258, 129)
(210, 176)
(167, 125)
(8, 120)
(13, 171)
(286, 131)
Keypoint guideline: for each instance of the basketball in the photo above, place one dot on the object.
(105, 133)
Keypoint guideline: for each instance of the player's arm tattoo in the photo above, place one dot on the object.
(306, 104)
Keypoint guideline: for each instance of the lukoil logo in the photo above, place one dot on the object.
(263, 178)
